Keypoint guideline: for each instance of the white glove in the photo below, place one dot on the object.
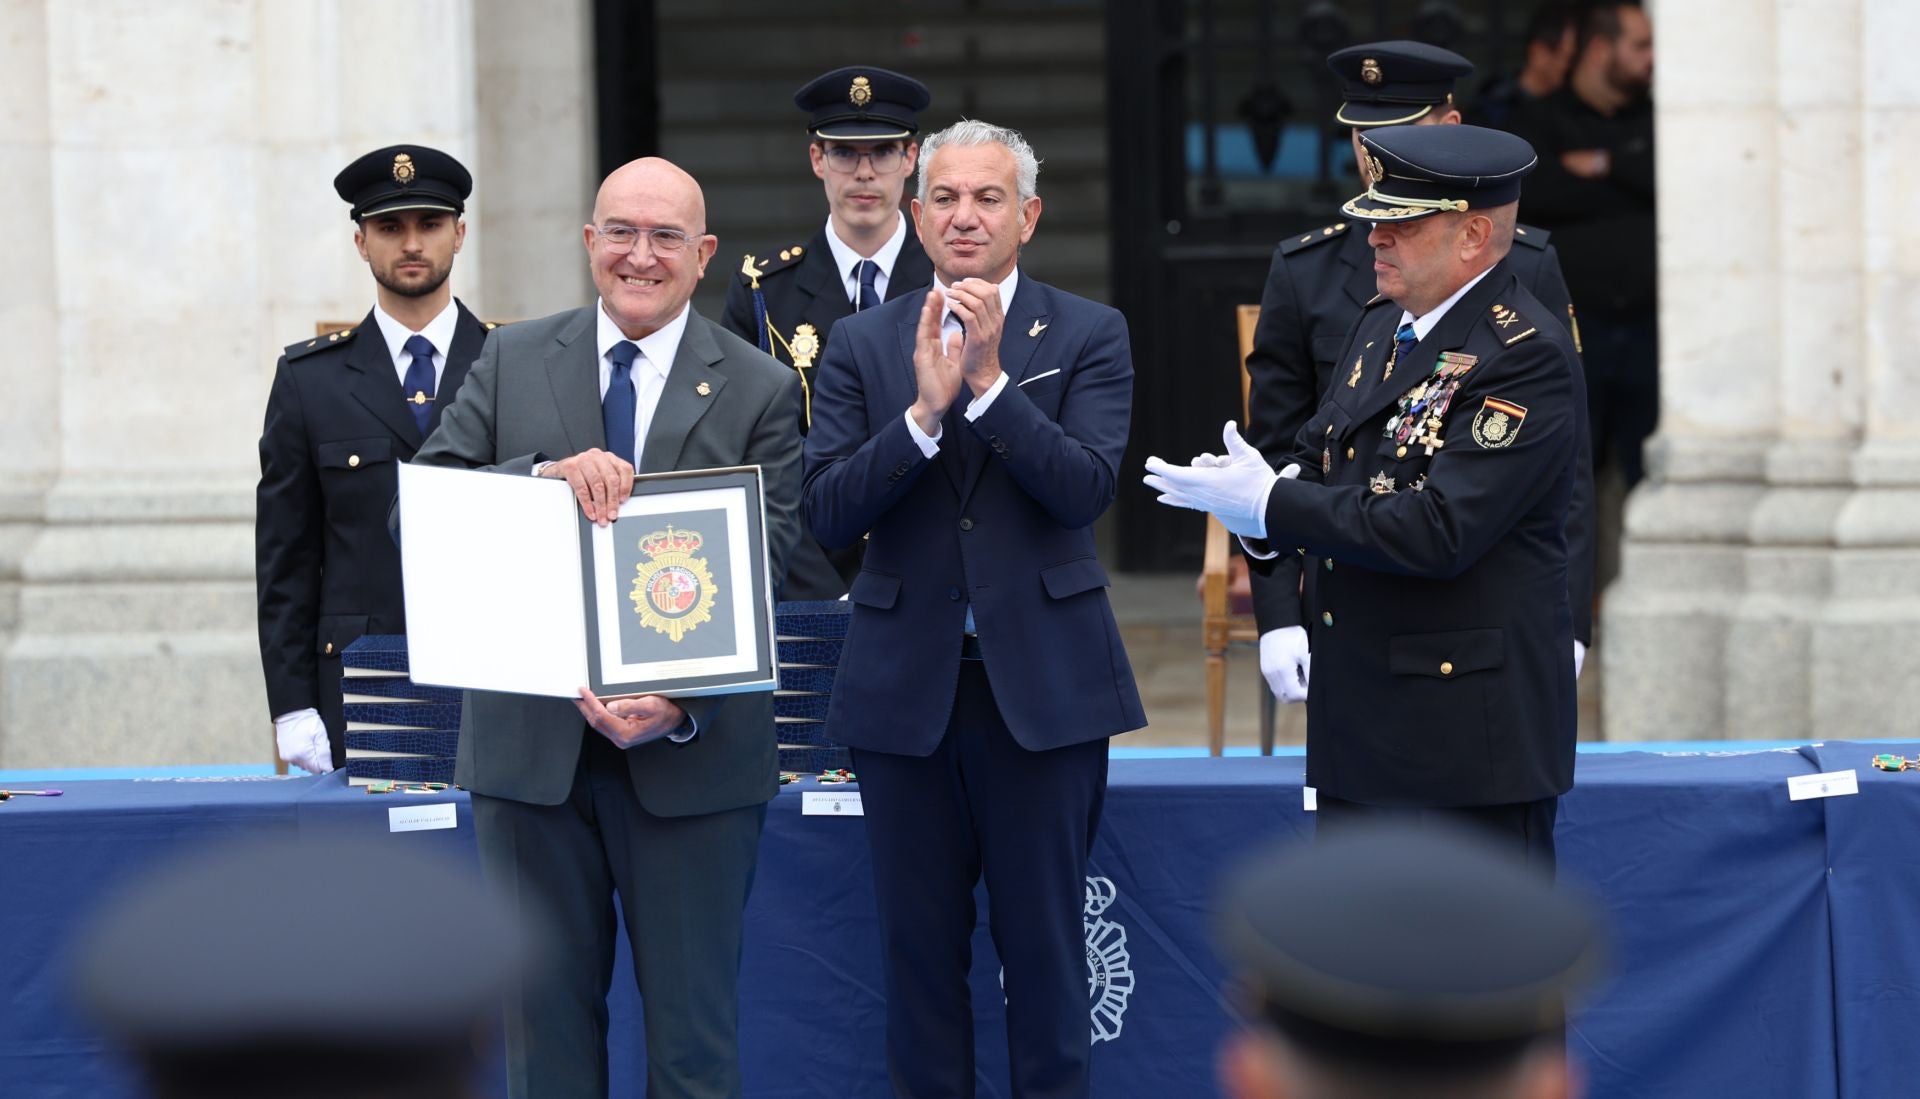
(1285, 661)
(1233, 488)
(302, 739)
(1579, 658)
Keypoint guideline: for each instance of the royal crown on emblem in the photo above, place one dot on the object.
(670, 541)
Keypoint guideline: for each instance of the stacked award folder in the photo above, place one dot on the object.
(397, 730)
(402, 731)
(808, 638)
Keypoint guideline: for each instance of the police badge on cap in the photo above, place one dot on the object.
(404, 177)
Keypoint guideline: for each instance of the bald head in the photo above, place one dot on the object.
(644, 283)
(657, 176)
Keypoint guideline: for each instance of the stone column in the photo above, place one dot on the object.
(1770, 586)
(534, 70)
(171, 225)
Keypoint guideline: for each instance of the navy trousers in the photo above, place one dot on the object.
(983, 805)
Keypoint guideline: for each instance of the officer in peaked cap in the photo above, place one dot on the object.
(196, 971)
(347, 406)
(862, 122)
(1432, 488)
(1403, 964)
(1321, 278)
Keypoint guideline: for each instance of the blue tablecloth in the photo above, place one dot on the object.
(1763, 947)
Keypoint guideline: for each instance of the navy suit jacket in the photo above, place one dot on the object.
(1002, 517)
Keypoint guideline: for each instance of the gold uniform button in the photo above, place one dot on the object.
(1400, 452)
(1327, 617)
(1446, 667)
(1349, 454)
(329, 648)
(1329, 564)
(353, 461)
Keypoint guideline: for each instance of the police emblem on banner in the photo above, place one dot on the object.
(673, 592)
(1109, 965)
(1497, 424)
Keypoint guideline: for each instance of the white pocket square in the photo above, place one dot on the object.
(1037, 377)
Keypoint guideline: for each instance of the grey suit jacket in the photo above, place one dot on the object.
(534, 395)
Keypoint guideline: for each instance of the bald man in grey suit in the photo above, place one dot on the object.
(658, 800)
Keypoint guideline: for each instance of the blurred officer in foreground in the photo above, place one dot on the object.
(1402, 965)
(1433, 486)
(863, 121)
(197, 971)
(345, 410)
(1320, 281)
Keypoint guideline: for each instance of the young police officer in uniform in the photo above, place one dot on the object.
(1320, 280)
(1433, 484)
(863, 121)
(344, 410)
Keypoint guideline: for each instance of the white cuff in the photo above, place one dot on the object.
(693, 730)
(282, 719)
(1266, 554)
(977, 407)
(929, 444)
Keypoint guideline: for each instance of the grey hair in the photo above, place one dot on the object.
(972, 131)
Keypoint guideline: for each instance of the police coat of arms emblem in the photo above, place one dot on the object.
(673, 592)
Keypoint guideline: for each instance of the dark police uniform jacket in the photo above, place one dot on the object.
(1319, 282)
(1439, 617)
(801, 286)
(325, 568)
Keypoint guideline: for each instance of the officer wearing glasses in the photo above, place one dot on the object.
(863, 121)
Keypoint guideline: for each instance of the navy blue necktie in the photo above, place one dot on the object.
(419, 381)
(869, 294)
(617, 407)
(1403, 341)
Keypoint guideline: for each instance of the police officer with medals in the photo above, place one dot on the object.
(1432, 486)
(345, 409)
(1320, 280)
(863, 121)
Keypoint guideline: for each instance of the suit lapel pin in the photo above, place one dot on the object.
(1036, 329)
(703, 389)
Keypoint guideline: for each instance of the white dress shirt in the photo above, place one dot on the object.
(439, 332)
(651, 368)
(847, 261)
(977, 407)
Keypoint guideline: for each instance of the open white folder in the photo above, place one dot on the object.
(496, 593)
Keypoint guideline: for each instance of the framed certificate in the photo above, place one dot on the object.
(510, 588)
(678, 600)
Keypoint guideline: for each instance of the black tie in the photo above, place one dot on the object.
(869, 294)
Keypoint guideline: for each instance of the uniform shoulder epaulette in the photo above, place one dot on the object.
(1531, 235)
(1307, 240)
(1508, 325)
(759, 267)
(303, 348)
(491, 325)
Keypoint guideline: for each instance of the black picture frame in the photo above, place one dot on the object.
(659, 618)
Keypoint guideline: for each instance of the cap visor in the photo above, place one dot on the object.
(878, 130)
(1364, 208)
(411, 202)
(1364, 115)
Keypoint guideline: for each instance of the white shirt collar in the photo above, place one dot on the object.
(1007, 286)
(439, 332)
(659, 348)
(1426, 324)
(844, 257)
